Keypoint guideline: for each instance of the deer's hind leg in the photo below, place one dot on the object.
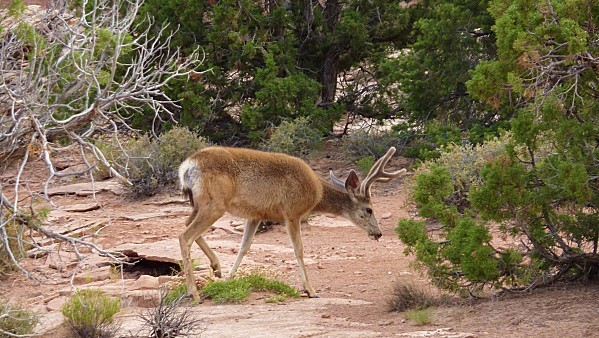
(214, 262)
(198, 223)
(251, 225)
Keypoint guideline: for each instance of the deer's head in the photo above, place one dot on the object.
(361, 213)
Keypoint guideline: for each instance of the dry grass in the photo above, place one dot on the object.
(410, 297)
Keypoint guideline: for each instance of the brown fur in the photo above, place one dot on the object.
(264, 186)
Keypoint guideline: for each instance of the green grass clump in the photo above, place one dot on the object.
(16, 321)
(419, 317)
(90, 313)
(276, 299)
(175, 293)
(238, 290)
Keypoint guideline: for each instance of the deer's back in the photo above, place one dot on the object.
(257, 184)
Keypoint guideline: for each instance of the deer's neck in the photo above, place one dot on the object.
(334, 201)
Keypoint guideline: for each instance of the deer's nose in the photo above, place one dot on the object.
(375, 235)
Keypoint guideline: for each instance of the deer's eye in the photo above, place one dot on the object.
(369, 211)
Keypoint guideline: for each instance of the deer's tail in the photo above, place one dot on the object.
(190, 179)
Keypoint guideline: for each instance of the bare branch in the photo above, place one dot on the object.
(65, 76)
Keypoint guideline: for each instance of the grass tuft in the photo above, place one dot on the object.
(409, 297)
(419, 317)
(238, 290)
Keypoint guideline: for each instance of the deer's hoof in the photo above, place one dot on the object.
(313, 295)
(195, 297)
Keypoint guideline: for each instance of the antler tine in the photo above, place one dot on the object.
(378, 173)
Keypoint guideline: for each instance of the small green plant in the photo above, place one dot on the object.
(90, 313)
(365, 163)
(419, 317)
(276, 299)
(238, 290)
(16, 321)
(295, 137)
(13, 231)
(16, 8)
(14, 226)
(111, 151)
(174, 293)
(409, 297)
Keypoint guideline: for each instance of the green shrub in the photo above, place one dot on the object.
(15, 320)
(427, 142)
(238, 290)
(175, 146)
(547, 201)
(111, 151)
(16, 8)
(461, 250)
(464, 188)
(152, 165)
(464, 163)
(360, 144)
(90, 314)
(295, 137)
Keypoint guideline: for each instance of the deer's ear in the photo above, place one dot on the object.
(352, 183)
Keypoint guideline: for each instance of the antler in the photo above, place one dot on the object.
(378, 173)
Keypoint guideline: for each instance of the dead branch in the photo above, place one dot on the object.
(66, 75)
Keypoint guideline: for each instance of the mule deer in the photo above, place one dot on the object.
(267, 186)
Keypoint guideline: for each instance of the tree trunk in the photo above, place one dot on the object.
(328, 74)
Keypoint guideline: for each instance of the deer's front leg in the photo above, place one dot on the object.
(295, 234)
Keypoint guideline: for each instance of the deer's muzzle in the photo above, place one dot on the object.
(375, 235)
